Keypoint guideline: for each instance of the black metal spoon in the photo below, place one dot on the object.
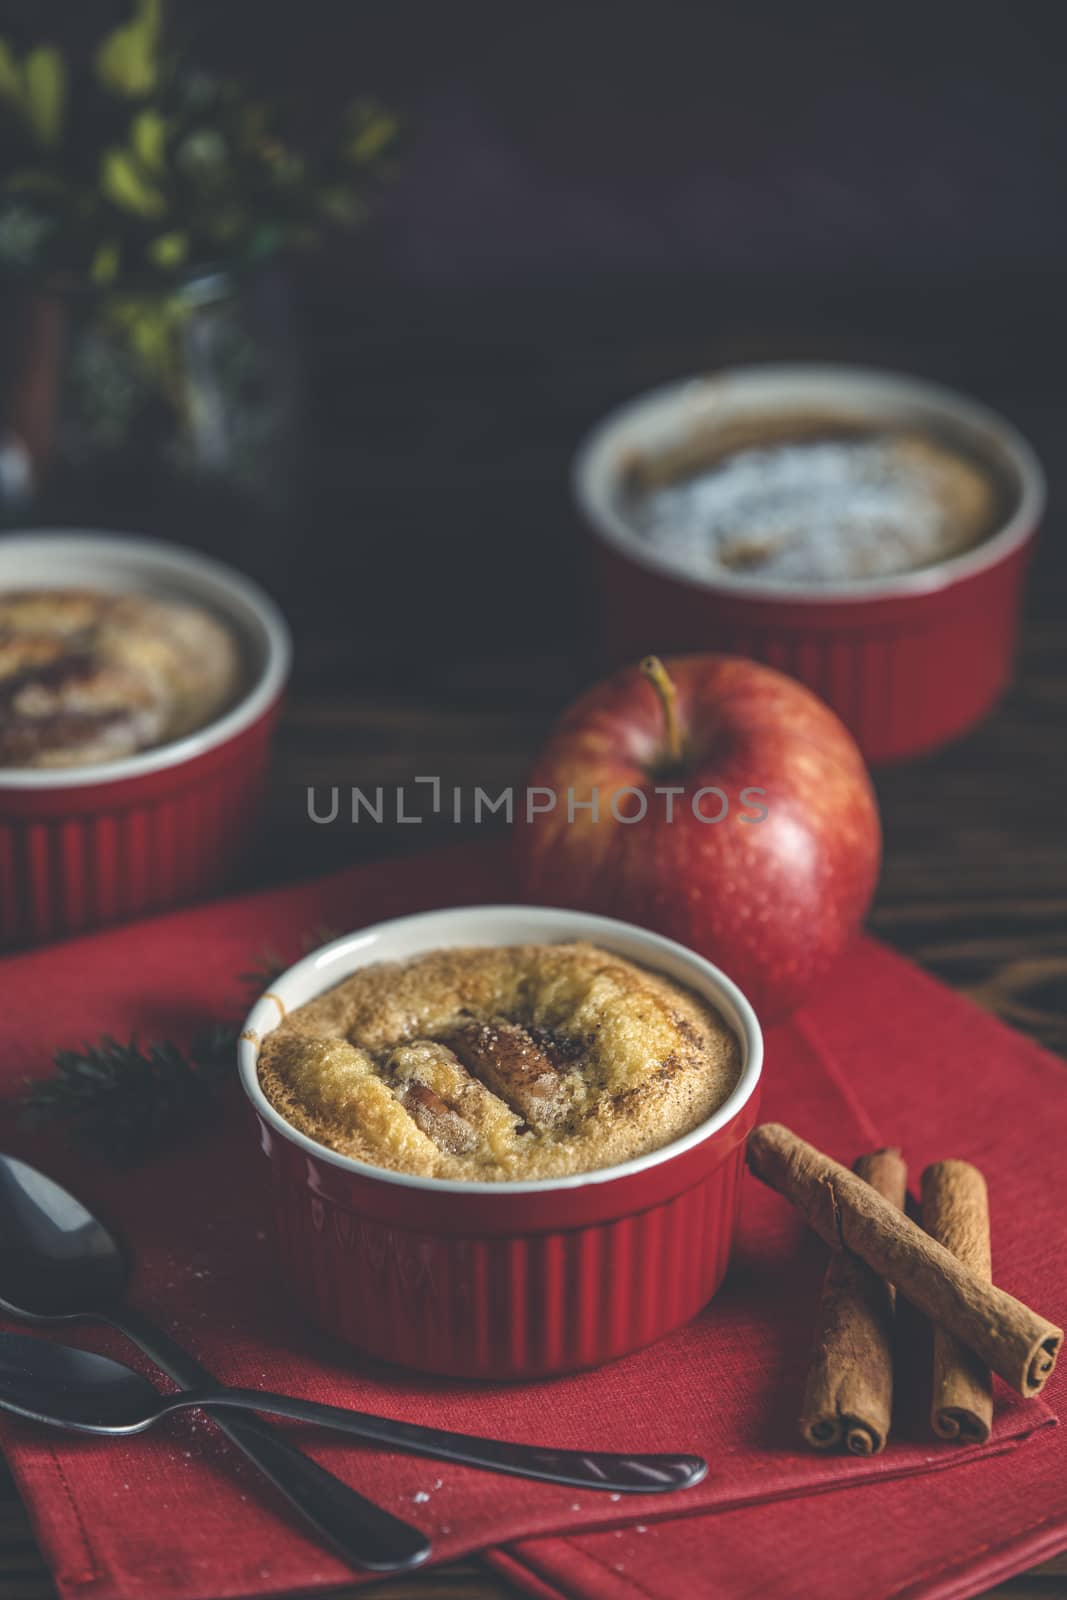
(87, 1393)
(59, 1264)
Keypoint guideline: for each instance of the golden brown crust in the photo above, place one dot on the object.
(514, 1062)
(88, 677)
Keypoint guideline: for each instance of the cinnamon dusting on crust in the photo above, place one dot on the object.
(500, 1063)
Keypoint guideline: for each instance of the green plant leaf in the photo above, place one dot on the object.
(32, 180)
(24, 230)
(372, 134)
(123, 182)
(341, 205)
(285, 169)
(264, 240)
(104, 269)
(148, 136)
(169, 250)
(127, 60)
(253, 123)
(10, 79)
(226, 224)
(203, 153)
(45, 72)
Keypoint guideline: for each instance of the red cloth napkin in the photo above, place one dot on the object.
(176, 1515)
(927, 1068)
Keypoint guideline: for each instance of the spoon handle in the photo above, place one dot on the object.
(593, 1469)
(363, 1534)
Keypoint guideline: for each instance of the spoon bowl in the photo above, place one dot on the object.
(74, 1389)
(57, 1261)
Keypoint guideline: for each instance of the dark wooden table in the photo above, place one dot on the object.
(443, 618)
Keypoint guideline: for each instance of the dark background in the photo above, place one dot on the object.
(596, 197)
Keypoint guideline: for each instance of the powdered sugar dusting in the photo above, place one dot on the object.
(822, 509)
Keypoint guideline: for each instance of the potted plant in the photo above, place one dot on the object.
(141, 197)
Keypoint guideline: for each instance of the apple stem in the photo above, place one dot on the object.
(653, 669)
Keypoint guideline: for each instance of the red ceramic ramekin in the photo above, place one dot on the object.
(907, 662)
(505, 1280)
(85, 846)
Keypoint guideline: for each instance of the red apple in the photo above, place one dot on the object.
(714, 800)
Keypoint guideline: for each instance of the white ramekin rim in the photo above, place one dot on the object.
(241, 601)
(401, 937)
(594, 470)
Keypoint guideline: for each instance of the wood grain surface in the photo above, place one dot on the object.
(443, 616)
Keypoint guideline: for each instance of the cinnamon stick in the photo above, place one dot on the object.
(955, 1212)
(849, 1393)
(1017, 1343)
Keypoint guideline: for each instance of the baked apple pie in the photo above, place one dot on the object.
(506, 1062)
(813, 499)
(87, 676)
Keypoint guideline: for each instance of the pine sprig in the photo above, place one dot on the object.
(128, 1102)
